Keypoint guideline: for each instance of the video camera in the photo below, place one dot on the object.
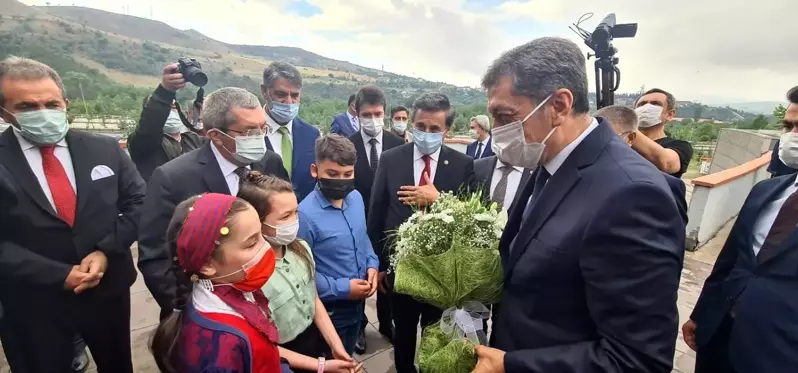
(608, 76)
(192, 71)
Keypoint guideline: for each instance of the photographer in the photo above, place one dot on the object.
(654, 109)
(163, 133)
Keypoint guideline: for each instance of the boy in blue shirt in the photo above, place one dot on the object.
(332, 221)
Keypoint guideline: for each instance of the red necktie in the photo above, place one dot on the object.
(421, 181)
(60, 187)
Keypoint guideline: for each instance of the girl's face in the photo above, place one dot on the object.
(238, 248)
(283, 209)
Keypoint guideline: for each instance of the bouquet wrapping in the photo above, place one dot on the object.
(448, 257)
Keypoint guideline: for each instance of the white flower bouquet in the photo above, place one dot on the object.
(448, 256)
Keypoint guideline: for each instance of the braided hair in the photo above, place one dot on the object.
(166, 337)
(258, 189)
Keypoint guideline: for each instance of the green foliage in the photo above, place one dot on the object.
(779, 112)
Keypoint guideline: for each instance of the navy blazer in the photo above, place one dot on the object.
(342, 125)
(593, 267)
(764, 337)
(471, 149)
(304, 154)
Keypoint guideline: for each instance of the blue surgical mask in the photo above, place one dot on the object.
(174, 124)
(283, 113)
(427, 142)
(42, 127)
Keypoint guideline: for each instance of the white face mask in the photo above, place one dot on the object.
(372, 126)
(174, 124)
(510, 146)
(249, 149)
(473, 133)
(649, 115)
(788, 149)
(285, 233)
(400, 125)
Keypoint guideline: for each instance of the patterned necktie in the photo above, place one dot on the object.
(501, 188)
(64, 197)
(242, 173)
(375, 160)
(421, 180)
(540, 183)
(479, 151)
(286, 148)
(785, 223)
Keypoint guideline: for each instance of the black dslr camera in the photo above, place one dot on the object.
(192, 71)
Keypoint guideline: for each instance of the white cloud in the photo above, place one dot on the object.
(711, 50)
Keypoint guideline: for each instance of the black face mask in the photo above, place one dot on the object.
(336, 189)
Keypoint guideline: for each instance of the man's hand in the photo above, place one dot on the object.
(342, 366)
(172, 79)
(491, 360)
(94, 265)
(373, 280)
(420, 196)
(688, 332)
(359, 289)
(382, 282)
(74, 278)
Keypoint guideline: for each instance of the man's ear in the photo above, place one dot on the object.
(314, 171)
(631, 137)
(66, 102)
(669, 115)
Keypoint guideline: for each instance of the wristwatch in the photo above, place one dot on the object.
(322, 362)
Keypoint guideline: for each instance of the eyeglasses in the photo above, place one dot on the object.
(265, 130)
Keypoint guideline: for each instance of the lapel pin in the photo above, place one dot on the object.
(445, 161)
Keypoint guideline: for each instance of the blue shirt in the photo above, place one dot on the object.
(341, 248)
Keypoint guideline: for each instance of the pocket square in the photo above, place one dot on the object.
(101, 172)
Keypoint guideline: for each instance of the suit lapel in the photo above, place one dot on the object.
(442, 170)
(407, 175)
(82, 163)
(791, 240)
(16, 163)
(362, 167)
(525, 177)
(512, 229)
(213, 173)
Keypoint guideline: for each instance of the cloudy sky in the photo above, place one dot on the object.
(715, 51)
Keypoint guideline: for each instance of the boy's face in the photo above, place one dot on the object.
(328, 169)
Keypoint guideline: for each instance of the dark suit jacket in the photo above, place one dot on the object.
(38, 249)
(342, 125)
(483, 173)
(364, 178)
(454, 173)
(191, 174)
(304, 154)
(679, 191)
(471, 149)
(764, 291)
(593, 268)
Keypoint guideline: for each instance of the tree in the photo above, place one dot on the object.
(759, 122)
(779, 112)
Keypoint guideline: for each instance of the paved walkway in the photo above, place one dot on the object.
(379, 358)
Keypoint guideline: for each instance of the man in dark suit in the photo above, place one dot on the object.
(234, 122)
(293, 139)
(65, 248)
(370, 142)
(482, 147)
(593, 251)
(410, 176)
(346, 124)
(745, 319)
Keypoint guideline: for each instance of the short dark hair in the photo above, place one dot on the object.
(369, 95)
(336, 148)
(619, 116)
(670, 100)
(399, 108)
(792, 95)
(277, 70)
(351, 99)
(435, 102)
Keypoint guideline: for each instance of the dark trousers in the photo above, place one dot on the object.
(308, 343)
(346, 316)
(406, 314)
(44, 338)
(714, 356)
(384, 310)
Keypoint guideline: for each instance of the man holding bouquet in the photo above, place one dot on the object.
(593, 252)
(411, 176)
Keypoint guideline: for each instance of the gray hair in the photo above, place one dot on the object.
(216, 112)
(619, 116)
(482, 121)
(277, 70)
(18, 68)
(435, 102)
(540, 67)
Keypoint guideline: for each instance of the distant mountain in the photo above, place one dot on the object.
(760, 107)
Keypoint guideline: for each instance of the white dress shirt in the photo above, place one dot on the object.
(418, 165)
(228, 171)
(484, 146)
(34, 157)
(353, 119)
(275, 137)
(554, 163)
(367, 145)
(768, 216)
(513, 180)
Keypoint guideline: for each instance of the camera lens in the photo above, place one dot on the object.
(195, 76)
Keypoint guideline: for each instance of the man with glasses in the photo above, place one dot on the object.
(235, 124)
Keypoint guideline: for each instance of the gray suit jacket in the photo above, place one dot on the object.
(483, 173)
